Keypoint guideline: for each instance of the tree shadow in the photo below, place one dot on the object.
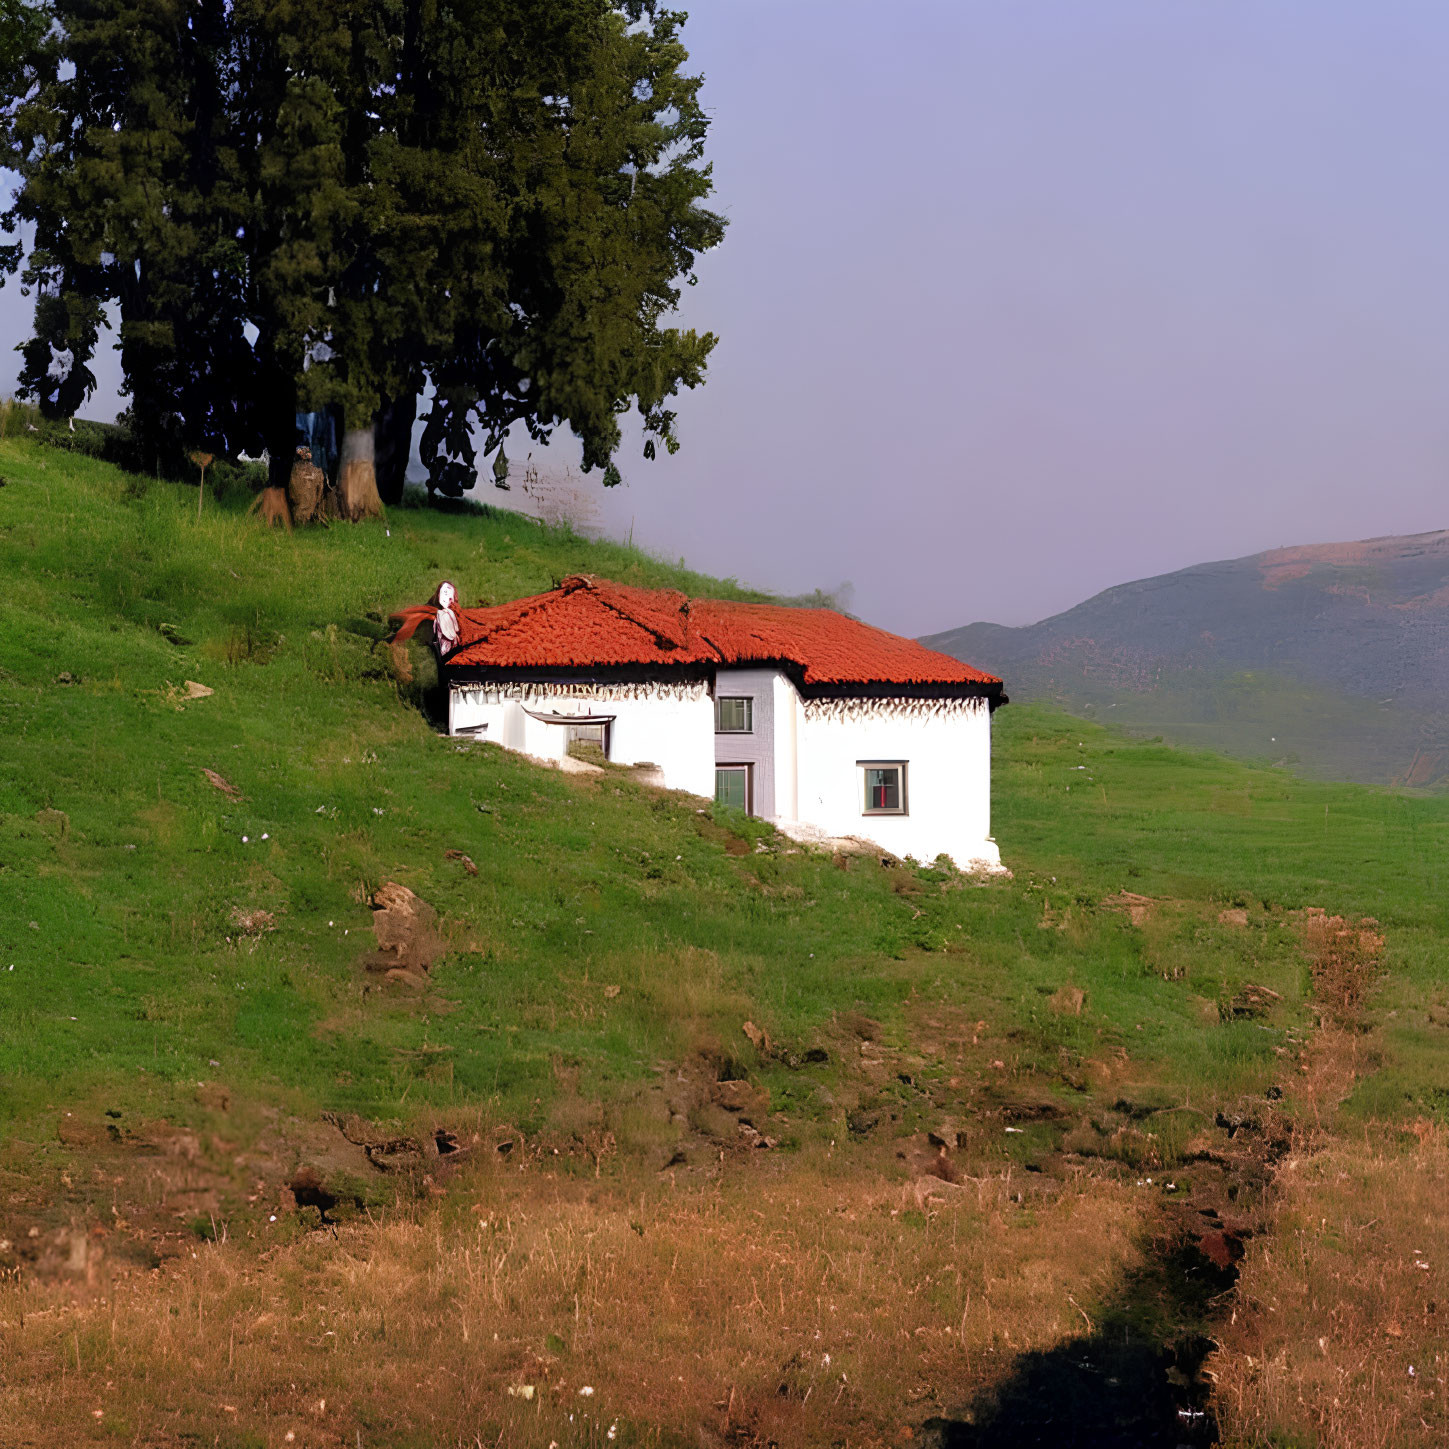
(1134, 1382)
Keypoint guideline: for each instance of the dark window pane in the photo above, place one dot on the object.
(734, 715)
(730, 788)
(883, 788)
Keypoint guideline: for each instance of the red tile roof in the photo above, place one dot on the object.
(591, 622)
(826, 647)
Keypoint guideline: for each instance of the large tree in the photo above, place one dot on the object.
(602, 219)
(61, 265)
(24, 25)
(122, 136)
(299, 204)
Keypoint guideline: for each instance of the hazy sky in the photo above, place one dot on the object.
(1024, 298)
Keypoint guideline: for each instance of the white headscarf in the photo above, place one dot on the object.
(445, 626)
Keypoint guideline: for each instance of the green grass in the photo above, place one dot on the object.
(121, 865)
(1266, 717)
(1176, 823)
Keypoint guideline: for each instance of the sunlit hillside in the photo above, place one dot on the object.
(659, 1128)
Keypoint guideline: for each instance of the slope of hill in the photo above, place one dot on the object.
(1332, 658)
(680, 1133)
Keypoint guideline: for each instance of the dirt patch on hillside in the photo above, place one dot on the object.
(1345, 956)
(1137, 908)
(1143, 1373)
(1340, 1298)
(103, 1198)
(406, 930)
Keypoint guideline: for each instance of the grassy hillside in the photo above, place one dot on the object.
(184, 939)
(129, 863)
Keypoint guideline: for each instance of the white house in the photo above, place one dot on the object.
(802, 716)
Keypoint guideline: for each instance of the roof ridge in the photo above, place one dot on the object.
(662, 639)
(607, 592)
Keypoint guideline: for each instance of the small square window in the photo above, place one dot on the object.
(884, 787)
(734, 715)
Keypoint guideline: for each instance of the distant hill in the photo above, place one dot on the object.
(1332, 658)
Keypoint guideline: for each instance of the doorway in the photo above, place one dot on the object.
(734, 787)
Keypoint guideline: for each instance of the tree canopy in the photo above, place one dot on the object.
(293, 205)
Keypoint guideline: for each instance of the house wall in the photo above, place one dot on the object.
(787, 749)
(806, 752)
(946, 745)
(761, 747)
(668, 725)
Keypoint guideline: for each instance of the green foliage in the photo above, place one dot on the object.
(498, 195)
(23, 26)
(17, 416)
(626, 159)
(129, 180)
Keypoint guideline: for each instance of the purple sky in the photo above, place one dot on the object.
(1026, 298)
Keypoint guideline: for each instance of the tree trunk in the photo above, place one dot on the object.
(357, 496)
(280, 452)
(272, 505)
(395, 446)
(306, 489)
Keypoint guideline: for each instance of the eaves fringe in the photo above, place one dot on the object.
(531, 693)
(862, 711)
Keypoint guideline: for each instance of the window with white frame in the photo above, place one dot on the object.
(883, 785)
(734, 715)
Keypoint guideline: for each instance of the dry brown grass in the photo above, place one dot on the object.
(1346, 956)
(1341, 1336)
(786, 1301)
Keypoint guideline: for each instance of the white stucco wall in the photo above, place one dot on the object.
(816, 749)
(946, 746)
(787, 749)
(669, 725)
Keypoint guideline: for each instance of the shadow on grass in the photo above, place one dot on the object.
(1134, 1382)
